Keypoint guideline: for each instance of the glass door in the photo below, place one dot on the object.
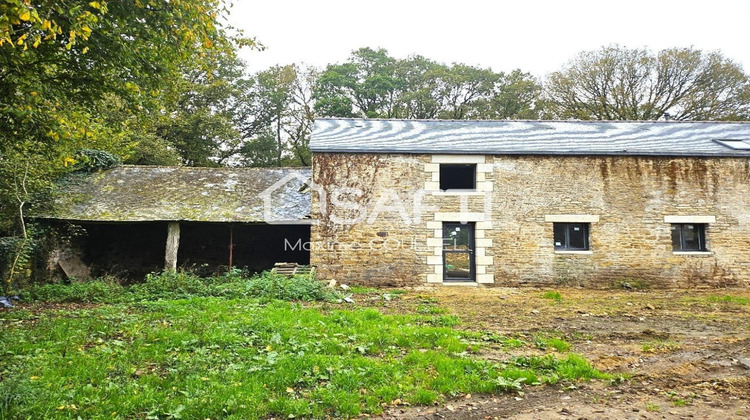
(458, 252)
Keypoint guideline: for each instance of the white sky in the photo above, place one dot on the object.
(537, 36)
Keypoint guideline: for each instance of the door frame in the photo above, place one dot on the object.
(470, 251)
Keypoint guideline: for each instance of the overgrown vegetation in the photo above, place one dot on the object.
(184, 285)
(181, 346)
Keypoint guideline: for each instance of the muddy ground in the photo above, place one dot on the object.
(686, 354)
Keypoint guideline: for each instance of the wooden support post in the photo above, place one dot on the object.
(173, 245)
(231, 248)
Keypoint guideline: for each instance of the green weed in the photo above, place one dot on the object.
(556, 296)
(362, 290)
(652, 408)
(739, 300)
(508, 342)
(95, 291)
(544, 342)
(660, 346)
(185, 285)
(430, 309)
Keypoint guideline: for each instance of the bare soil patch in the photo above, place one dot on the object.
(685, 353)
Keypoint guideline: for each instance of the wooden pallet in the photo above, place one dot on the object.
(292, 269)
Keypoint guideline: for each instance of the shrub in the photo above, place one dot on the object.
(185, 285)
(95, 291)
(92, 160)
(169, 285)
(274, 286)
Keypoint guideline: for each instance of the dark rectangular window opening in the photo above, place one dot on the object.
(458, 177)
(689, 237)
(571, 236)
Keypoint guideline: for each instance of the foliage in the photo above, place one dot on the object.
(276, 116)
(170, 285)
(617, 83)
(213, 357)
(373, 84)
(97, 291)
(185, 285)
(15, 260)
(95, 75)
(275, 286)
(91, 160)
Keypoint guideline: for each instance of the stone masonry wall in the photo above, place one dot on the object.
(625, 200)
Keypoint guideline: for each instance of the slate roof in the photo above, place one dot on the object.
(650, 138)
(152, 193)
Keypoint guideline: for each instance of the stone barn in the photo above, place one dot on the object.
(132, 220)
(596, 204)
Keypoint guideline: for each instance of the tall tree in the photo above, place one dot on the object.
(201, 123)
(420, 95)
(617, 83)
(366, 86)
(63, 63)
(278, 108)
(372, 84)
(463, 86)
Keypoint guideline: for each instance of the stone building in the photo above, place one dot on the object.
(132, 220)
(597, 204)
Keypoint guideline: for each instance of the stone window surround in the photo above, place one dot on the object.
(697, 219)
(484, 185)
(573, 218)
(483, 181)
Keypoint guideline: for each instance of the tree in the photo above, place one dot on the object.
(420, 93)
(278, 105)
(202, 122)
(463, 86)
(64, 65)
(374, 85)
(365, 86)
(617, 83)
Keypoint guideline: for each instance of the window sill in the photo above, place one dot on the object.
(564, 252)
(704, 253)
(459, 192)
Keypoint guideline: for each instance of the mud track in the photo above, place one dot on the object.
(686, 354)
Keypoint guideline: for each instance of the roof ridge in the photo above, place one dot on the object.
(538, 120)
(241, 168)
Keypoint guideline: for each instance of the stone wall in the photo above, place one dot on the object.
(398, 238)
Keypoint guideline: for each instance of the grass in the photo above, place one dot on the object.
(739, 300)
(552, 295)
(660, 346)
(652, 408)
(362, 290)
(430, 309)
(544, 342)
(239, 357)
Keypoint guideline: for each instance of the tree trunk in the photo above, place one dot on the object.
(278, 138)
(173, 245)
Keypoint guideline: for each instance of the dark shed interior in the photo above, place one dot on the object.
(132, 250)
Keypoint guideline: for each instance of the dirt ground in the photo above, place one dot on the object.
(686, 353)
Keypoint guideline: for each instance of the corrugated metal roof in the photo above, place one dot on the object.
(151, 193)
(660, 138)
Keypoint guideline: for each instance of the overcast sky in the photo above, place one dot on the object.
(537, 36)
